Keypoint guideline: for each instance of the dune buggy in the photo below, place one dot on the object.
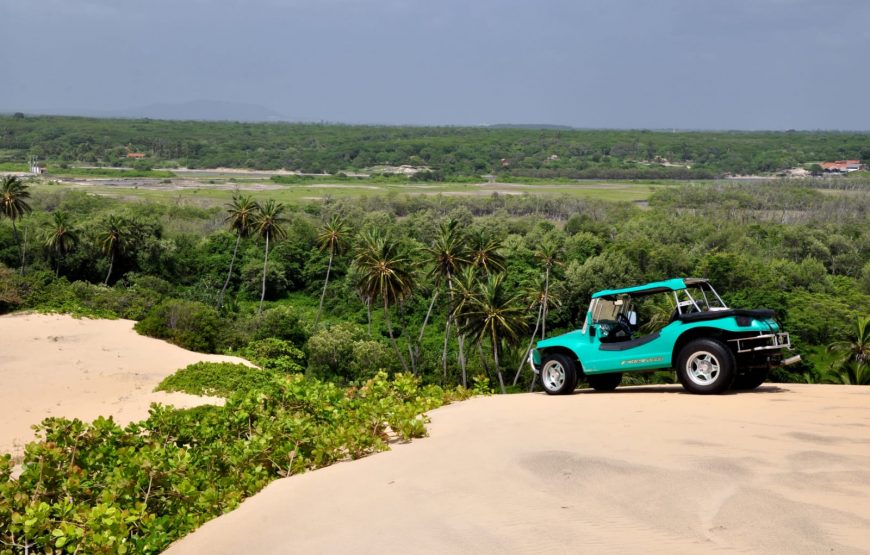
(678, 323)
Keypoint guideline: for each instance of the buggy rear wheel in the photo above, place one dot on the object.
(604, 382)
(706, 366)
(750, 379)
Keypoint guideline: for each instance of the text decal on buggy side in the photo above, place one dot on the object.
(642, 360)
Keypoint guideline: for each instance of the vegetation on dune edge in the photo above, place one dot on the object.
(100, 488)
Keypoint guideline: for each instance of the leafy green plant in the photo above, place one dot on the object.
(100, 488)
(188, 324)
(275, 354)
(216, 378)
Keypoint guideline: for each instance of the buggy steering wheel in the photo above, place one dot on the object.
(623, 324)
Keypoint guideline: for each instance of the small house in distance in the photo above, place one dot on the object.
(36, 168)
(135, 155)
(841, 166)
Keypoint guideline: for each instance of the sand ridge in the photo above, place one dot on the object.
(640, 470)
(57, 365)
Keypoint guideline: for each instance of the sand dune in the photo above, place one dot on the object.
(55, 365)
(785, 469)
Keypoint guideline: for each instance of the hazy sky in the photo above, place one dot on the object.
(726, 64)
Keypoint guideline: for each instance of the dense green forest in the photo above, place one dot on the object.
(449, 152)
(802, 251)
(362, 313)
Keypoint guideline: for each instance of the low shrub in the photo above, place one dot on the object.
(275, 354)
(282, 322)
(188, 324)
(10, 293)
(216, 378)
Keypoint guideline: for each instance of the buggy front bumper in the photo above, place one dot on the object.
(531, 360)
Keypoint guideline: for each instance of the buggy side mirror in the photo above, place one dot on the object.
(632, 318)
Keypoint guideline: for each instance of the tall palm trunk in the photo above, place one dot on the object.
(462, 360)
(369, 314)
(230, 273)
(392, 338)
(428, 313)
(423, 328)
(325, 283)
(18, 244)
(497, 367)
(447, 324)
(546, 301)
(529, 348)
(24, 253)
(111, 264)
(482, 358)
(403, 323)
(265, 264)
(444, 351)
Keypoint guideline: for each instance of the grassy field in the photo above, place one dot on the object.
(220, 190)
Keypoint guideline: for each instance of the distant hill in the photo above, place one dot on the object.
(204, 110)
(195, 110)
(528, 126)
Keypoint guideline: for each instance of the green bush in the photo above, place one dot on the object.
(40, 291)
(216, 378)
(188, 324)
(282, 322)
(369, 357)
(100, 488)
(275, 354)
(10, 292)
(330, 350)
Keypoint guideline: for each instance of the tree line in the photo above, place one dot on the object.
(448, 152)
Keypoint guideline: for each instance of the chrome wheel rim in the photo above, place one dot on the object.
(703, 368)
(553, 375)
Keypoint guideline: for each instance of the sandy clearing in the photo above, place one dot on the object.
(640, 470)
(57, 365)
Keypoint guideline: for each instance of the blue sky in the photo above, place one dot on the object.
(690, 64)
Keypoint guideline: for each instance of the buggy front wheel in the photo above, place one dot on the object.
(558, 374)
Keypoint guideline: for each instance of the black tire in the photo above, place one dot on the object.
(750, 379)
(604, 382)
(706, 367)
(558, 374)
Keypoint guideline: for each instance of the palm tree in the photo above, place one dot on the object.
(386, 272)
(494, 314)
(60, 237)
(112, 241)
(268, 224)
(13, 205)
(484, 253)
(448, 254)
(241, 213)
(857, 347)
(547, 254)
(849, 373)
(333, 237)
(539, 293)
(466, 285)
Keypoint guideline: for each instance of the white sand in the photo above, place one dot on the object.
(53, 365)
(785, 469)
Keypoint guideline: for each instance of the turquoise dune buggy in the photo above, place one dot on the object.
(678, 323)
